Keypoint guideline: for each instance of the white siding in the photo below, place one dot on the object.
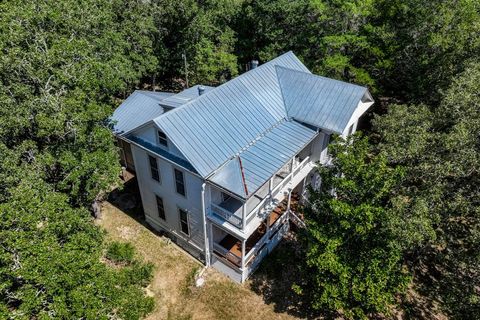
(172, 201)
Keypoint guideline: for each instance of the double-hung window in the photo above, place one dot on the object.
(162, 138)
(160, 208)
(155, 173)
(184, 221)
(179, 182)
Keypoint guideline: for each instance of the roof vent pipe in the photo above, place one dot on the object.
(201, 90)
(253, 64)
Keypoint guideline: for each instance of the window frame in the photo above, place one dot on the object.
(185, 222)
(182, 182)
(161, 213)
(153, 169)
(162, 140)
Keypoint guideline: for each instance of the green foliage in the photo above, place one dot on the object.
(354, 259)
(440, 150)
(50, 261)
(428, 42)
(201, 30)
(61, 65)
(120, 252)
(332, 37)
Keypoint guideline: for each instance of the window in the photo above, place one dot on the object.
(160, 207)
(179, 182)
(154, 168)
(184, 221)
(162, 139)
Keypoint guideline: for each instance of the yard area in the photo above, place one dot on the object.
(172, 287)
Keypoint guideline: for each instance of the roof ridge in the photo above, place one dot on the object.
(237, 78)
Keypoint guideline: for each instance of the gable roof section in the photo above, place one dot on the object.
(183, 97)
(319, 101)
(222, 122)
(139, 108)
(245, 173)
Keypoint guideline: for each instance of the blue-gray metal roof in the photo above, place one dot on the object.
(245, 173)
(162, 152)
(319, 101)
(222, 122)
(183, 97)
(139, 108)
(238, 135)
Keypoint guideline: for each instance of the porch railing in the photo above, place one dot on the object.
(263, 204)
(227, 215)
(265, 238)
(227, 254)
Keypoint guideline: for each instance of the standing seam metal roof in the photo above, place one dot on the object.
(139, 108)
(218, 124)
(241, 133)
(319, 101)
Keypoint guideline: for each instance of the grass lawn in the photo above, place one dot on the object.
(172, 286)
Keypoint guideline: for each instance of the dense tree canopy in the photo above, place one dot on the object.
(65, 65)
(61, 64)
(440, 150)
(353, 253)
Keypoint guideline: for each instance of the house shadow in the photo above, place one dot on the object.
(277, 278)
(127, 199)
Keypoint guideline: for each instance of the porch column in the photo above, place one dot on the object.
(289, 199)
(244, 215)
(244, 242)
(270, 187)
(291, 164)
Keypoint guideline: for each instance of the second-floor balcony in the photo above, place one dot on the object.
(240, 214)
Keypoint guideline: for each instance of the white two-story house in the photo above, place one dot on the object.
(221, 170)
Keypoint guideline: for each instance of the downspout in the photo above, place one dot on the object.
(205, 237)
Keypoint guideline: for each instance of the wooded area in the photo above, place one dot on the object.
(406, 207)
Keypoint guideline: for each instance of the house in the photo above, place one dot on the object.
(221, 170)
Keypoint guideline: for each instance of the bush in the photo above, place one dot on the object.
(138, 273)
(120, 252)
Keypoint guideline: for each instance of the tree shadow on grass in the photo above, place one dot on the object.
(453, 287)
(276, 277)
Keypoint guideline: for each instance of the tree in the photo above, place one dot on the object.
(201, 30)
(63, 64)
(428, 43)
(353, 258)
(50, 262)
(439, 149)
(331, 37)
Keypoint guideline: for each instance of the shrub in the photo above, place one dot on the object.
(120, 252)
